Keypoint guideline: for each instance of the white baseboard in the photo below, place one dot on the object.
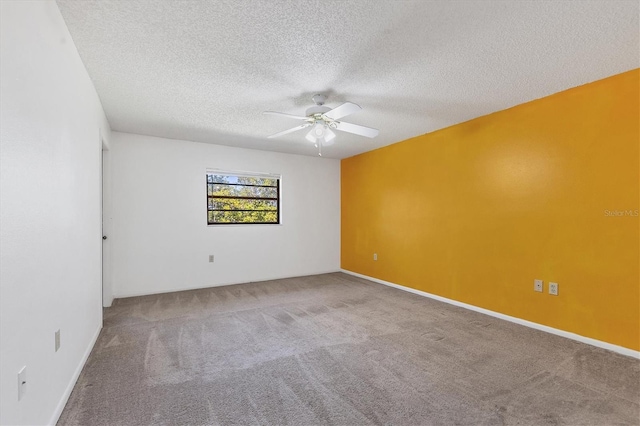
(125, 294)
(598, 343)
(74, 378)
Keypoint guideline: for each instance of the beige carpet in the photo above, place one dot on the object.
(337, 350)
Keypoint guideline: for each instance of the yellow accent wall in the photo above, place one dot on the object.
(475, 212)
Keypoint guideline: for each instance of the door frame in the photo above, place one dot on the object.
(105, 209)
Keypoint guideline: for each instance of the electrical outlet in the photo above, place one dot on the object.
(210, 258)
(22, 382)
(553, 289)
(537, 285)
(57, 340)
(375, 256)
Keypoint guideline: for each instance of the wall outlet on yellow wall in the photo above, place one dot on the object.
(537, 285)
(375, 256)
(553, 288)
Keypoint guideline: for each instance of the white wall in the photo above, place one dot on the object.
(50, 248)
(160, 238)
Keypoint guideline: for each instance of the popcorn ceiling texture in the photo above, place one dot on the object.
(205, 71)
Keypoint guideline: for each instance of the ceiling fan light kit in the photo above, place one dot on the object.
(322, 119)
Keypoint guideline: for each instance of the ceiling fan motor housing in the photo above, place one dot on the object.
(318, 109)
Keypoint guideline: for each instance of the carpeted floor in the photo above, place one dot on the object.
(338, 350)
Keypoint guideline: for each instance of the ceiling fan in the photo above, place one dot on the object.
(323, 119)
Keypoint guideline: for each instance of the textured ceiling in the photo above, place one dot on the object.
(205, 70)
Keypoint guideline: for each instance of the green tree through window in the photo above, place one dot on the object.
(233, 199)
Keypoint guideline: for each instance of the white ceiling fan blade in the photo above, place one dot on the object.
(342, 110)
(368, 132)
(294, 129)
(298, 117)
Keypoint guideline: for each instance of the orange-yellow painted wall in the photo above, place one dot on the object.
(475, 212)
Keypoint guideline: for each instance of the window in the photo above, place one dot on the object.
(238, 198)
